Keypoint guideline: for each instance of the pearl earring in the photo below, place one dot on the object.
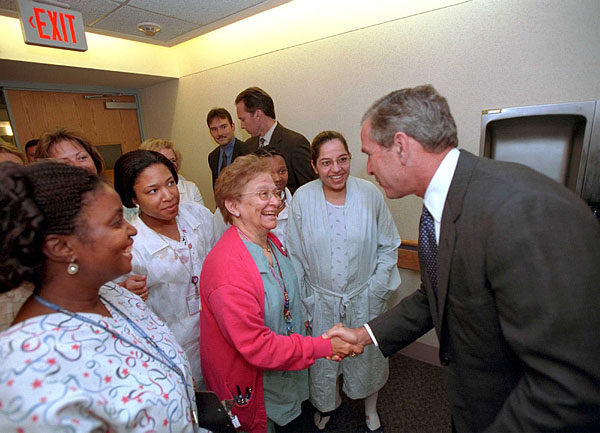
(73, 268)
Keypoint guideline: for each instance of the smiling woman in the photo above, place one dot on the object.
(173, 240)
(71, 148)
(63, 358)
(252, 324)
(343, 243)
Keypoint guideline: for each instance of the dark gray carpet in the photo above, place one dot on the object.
(413, 400)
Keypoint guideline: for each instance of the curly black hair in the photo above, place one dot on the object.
(35, 201)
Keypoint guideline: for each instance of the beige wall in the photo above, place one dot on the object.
(480, 54)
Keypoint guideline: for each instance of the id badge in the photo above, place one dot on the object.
(193, 303)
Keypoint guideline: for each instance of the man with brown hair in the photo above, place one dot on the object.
(222, 129)
(256, 112)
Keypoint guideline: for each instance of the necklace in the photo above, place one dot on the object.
(287, 314)
(163, 359)
(244, 236)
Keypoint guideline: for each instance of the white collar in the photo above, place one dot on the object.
(269, 134)
(435, 196)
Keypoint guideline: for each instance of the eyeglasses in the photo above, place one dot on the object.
(266, 195)
(342, 160)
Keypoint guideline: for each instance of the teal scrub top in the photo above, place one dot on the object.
(284, 390)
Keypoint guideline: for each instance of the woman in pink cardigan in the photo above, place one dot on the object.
(252, 344)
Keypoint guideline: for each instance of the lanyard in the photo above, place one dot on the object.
(287, 314)
(193, 278)
(166, 361)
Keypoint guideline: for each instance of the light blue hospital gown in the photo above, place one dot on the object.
(368, 265)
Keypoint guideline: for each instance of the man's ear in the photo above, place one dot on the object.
(58, 248)
(401, 146)
(232, 206)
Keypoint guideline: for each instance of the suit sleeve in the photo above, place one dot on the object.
(543, 261)
(403, 324)
(300, 163)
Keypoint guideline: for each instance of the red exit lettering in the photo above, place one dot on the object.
(56, 30)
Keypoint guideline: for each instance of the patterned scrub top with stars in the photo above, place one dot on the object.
(59, 374)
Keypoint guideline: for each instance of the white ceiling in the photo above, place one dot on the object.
(180, 20)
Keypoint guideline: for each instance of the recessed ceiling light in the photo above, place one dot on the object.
(149, 29)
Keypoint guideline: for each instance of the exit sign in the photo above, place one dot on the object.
(52, 26)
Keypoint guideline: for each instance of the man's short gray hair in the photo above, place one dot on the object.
(420, 112)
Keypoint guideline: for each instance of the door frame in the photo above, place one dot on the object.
(68, 88)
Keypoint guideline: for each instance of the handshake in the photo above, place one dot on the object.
(346, 341)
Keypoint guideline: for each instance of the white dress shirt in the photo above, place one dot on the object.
(267, 136)
(435, 199)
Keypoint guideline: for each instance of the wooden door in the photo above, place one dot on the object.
(34, 112)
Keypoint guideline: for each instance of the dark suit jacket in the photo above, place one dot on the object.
(295, 148)
(239, 148)
(518, 308)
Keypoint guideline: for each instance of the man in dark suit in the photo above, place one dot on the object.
(222, 129)
(510, 271)
(256, 112)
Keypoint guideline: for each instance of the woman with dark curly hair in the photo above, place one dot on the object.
(82, 355)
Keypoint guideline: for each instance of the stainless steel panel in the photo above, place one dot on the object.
(553, 139)
(591, 186)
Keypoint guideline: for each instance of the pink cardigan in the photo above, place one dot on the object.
(235, 344)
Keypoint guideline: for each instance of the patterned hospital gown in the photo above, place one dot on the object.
(59, 374)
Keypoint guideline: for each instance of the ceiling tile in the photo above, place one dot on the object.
(198, 11)
(125, 20)
(180, 20)
(92, 10)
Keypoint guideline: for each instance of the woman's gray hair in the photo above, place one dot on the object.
(420, 112)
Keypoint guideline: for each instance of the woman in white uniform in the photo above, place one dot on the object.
(188, 191)
(172, 241)
(343, 243)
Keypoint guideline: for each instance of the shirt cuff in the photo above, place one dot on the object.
(368, 328)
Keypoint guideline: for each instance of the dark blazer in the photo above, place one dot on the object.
(295, 148)
(518, 306)
(239, 148)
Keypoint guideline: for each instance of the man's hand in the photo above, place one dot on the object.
(347, 341)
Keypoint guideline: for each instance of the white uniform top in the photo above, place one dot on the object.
(188, 191)
(172, 294)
